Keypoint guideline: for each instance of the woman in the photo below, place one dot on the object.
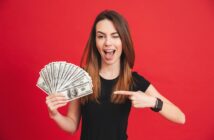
(109, 58)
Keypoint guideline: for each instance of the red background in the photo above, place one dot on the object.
(174, 50)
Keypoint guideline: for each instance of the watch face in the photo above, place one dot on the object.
(158, 105)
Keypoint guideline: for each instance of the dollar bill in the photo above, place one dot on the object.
(65, 78)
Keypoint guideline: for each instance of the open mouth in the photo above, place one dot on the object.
(109, 53)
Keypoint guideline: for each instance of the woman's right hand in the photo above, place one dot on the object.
(55, 101)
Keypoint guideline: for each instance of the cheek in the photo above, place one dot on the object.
(120, 50)
(99, 49)
(119, 47)
(98, 44)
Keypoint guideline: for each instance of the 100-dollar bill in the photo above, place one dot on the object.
(77, 92)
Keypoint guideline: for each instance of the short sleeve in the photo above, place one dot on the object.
(139, 82)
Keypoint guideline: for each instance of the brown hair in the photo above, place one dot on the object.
(91, 59)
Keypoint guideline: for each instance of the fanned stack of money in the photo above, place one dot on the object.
(65, 78)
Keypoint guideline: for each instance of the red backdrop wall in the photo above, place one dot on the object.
(174, 50)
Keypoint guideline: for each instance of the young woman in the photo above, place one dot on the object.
(109, 59)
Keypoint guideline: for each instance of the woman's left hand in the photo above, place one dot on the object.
(139, 99)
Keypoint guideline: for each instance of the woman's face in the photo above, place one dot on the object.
(108, 42)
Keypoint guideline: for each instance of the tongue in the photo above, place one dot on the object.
(109, 55)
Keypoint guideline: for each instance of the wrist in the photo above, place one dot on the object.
(158, 105)
(54, 114)
(153, 102)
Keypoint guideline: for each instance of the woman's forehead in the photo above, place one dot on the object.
(105, 26)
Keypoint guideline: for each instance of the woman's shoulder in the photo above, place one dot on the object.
(139, 82)
(136, 75)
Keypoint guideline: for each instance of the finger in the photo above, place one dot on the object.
(55, 101)
(60, 98)
(55, 105)
(139, 91)
(132, 98)
(135, 104)
(53, 95)
(60, 102)
(60, 105)
(54, 98)
(124, 92)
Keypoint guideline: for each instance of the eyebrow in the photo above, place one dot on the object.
(104, 33)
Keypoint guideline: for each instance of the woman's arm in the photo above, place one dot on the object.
(169, 110)
(70, 122)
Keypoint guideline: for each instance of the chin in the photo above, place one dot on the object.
(110, 62)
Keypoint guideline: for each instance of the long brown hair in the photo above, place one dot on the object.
(91, 59)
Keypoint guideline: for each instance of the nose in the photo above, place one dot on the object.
(108, 41)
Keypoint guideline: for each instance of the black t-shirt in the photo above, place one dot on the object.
(108, 121)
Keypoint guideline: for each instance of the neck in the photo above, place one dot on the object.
(110, 71)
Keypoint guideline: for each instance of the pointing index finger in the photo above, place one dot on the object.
(124, 92)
